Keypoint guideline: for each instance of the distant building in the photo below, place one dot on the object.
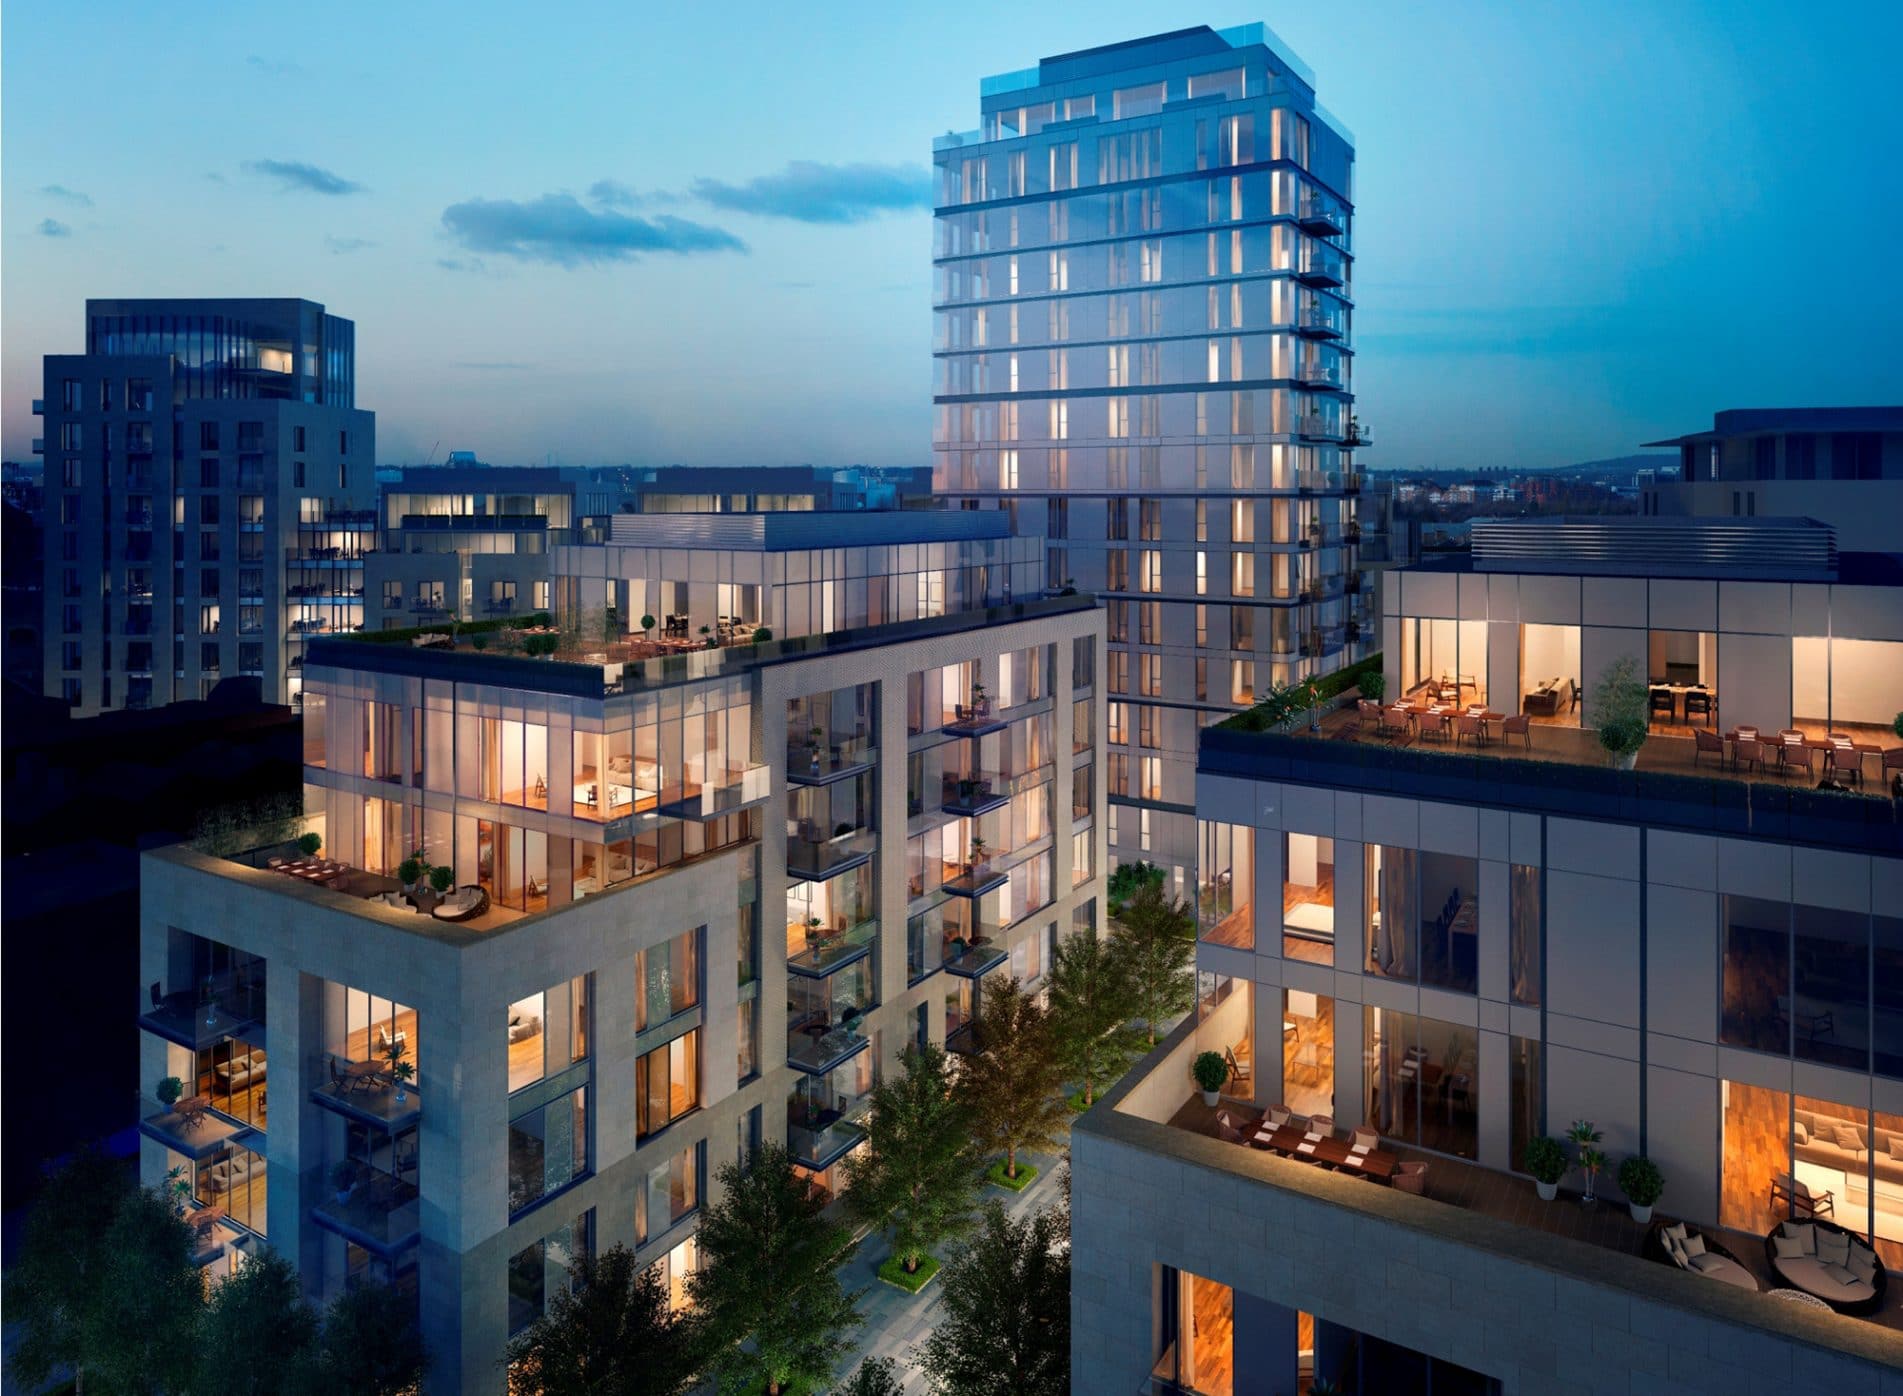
(1840, 465)
(210, 483)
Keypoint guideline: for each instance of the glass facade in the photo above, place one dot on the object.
(243, 349)
(1143, 354)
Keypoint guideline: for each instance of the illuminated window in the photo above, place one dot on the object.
(1152, 570)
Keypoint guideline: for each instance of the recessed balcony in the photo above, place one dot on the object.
(1318, 324)
(979, 877)
(975, 959)
(821, 762)
(829, 946)
(819, 1138)
(976, 719)
(221, 1009)
(191, 1127)
(379, 1211)
(365, 1092)
(724, 792)
(1319, 378)
(1321, 217)
(818, 1048)
(1316, 426)
(1320, 271)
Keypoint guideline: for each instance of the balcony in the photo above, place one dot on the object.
(1315, 426)
(829, 948)
(818, 1048)
(223, 1008)
(969, 797)
(816, 860)
(976, 959)
(979, 877)
(1319, 378)
(1357, 434)
(381, 1211)
(822, 765)
(1319, 270)
(191, 1127)
(819, 1138)
(725, 792)
(1321, 217)
(977, 720)
(363, 1092)
(1318, 324)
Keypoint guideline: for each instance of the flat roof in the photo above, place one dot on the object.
(1745, 421)
(804, 530)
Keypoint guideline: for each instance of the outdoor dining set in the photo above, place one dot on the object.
(1787, 751)
(1315, 1140)
(1439, 720)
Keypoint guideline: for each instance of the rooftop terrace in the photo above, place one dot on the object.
(1563, 770)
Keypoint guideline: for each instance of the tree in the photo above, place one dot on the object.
(262, 1297)
(1006, 1303)
(611, 1333)
(1156, 939)
(371, 1343)
(1092, 1002)
(1010, 1083)
(915, 1176)
(104, 1285)
(768, 1284)
(876, 1376)
(1127, 878)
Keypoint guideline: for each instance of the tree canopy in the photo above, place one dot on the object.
(1156, 938)
(1092, 1001)
(1006, 1305)
(1010, 1083)
(915, 1176)
(611, 1333)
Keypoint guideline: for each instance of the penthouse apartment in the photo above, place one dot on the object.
(209, 489)
(696, 891)
(1143, 345)
(1435, 930)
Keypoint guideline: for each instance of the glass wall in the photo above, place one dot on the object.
(548, 1032)
(669, 1192)
(545, 1268)
(548, 1149)
(1308, 1052)
(1421, 1079)
(1308, 898)
(1196, 1334)
(1526, 1098)
(667, 1083)
(1392, 914)
(1525, 941)
(1549, 673)
(1845, 685)
(668, 978)
(1444, 659)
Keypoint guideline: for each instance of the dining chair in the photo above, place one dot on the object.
(1321, 1124)
(1699, 701)
(1792, 752)
(1846, 760)
(1519, 725)
(1707, 743)
(1748, 751)
(1662, 700)
(1276, 1116)
(1468, 726)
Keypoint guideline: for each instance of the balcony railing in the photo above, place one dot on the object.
(1316, 426)
(1320, 271)
(977, 719)
(815, 860)
(1321, 217)
(379, 1210)
(1319, 377)
(222, 1008)
(1318, 324)
(967, 796)
(1357, 434)
(829, 761)
(817, 1048)
(979, 877)
(830, 947)
(820, 1138)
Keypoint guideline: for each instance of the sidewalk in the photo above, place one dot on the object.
(894, 1320)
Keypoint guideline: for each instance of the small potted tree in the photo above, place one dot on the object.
(1583, 1136)
(1641, 1182)
(980, 702)
(410, 872)
(1210, 1071)
(707, 636)
(402, 1071)
(761, 634)
(850, 1021)
(813, 923)
(815, 743)
(343, 1179)
(308, 844)
(442, 879)
(170, 1089)
(977, 851)
(1373, 684)
(647, 624)
(1545, 1159)
(1619, 712)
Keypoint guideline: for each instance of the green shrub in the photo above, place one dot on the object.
(1619, 707)
(1373, 685)
(170, 1089)
(310, 843)
(409, 872)
(1641, 1181)
(1545, 1159)
(763, 634)
(1210, 1070)
(442, 879)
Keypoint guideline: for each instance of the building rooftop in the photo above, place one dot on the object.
(1564, 772)
(1744, 421)
(802, 530)
(1765, 549)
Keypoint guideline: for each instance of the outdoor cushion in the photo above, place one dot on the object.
(1838, 1273)
(1805, 1233)
(1896, 1146)
(1832, 1248)
(1708, 1262)
(1862, 1263)
(1848, 1137)
(1676, 1231)
(1799, 1134)
(1694, 1247)
(1788, 1247)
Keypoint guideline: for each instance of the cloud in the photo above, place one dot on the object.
(809, 192)
(557, 228)
(274, 67)
(612, 193)
(53, 228)
(342, 245)
(215, 177)
(295, 174)
(65, 195)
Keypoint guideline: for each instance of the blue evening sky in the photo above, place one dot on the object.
(651, 233)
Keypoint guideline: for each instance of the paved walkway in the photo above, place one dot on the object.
(896, 1321)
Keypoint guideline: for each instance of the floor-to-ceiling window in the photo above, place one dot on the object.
(1422, 1080)
(1196, 1334)
(1849, 686)
(1444, 659)
(1549, 673)
(1308, 1052)
(1308, 898)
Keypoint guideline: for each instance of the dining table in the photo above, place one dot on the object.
(1294, 1140)
(1809, 743)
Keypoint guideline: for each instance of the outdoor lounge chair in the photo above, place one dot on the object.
(1707, 743)
(1519, 725)
(1411, 1177)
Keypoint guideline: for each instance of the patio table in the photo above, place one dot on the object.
(1292, 1141)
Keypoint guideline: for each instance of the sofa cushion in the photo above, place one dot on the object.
(1896, 1147)
(1674, 1232)
(1788, 1247)
(1838, 1273)
(1848, 1137)
(1705, 1264)
(1862, 1263)
(1694, 1246)
(1805, 1233)
(1799, 1134)
(1833, 1248)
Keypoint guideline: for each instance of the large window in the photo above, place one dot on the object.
(548, 1148)
(1526, 1097)
(1525, 953)
(1756, 974)
(1308, 1052)
(1450, 921)
(1829, 1007)
(1549, 673)
(546, 1267)
(1225, 884)
(1308, 898)
(667, 1083)
(1444, 658)
(1845, 685)
(668, 976)
(1392, 916)
(548, 1032)
(669, 1192)
(1422, 1080)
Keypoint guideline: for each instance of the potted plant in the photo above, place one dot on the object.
(761, 634)
(308, 844)
(647, 624)
(1373, 684)
(1619, 712)
(815, 740)
(980, 704)
(707, 636)
(442, 879)
(179, 1188)
(977, 851)
(850, 1020)
(410, 872)
(1210, 1071)
(1545, 1159)
(343, 1179)
(402, 1072)
(1641, 1182)
(170, 1089)
(813, 923)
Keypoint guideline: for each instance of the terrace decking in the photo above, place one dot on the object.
(1509, 1198)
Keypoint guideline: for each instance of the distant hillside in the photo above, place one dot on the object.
(1616, 465)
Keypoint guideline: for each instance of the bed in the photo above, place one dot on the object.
(1310, 921)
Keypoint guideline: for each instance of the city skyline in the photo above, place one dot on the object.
(532, 283)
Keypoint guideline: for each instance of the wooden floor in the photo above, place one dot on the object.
(1213, 1307)
(1314, 952)
(363, 1045)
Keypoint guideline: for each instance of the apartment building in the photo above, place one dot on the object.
(703, 891)
(1143, 331)
(1427, 939)
(1840, 465)
(209, 484)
